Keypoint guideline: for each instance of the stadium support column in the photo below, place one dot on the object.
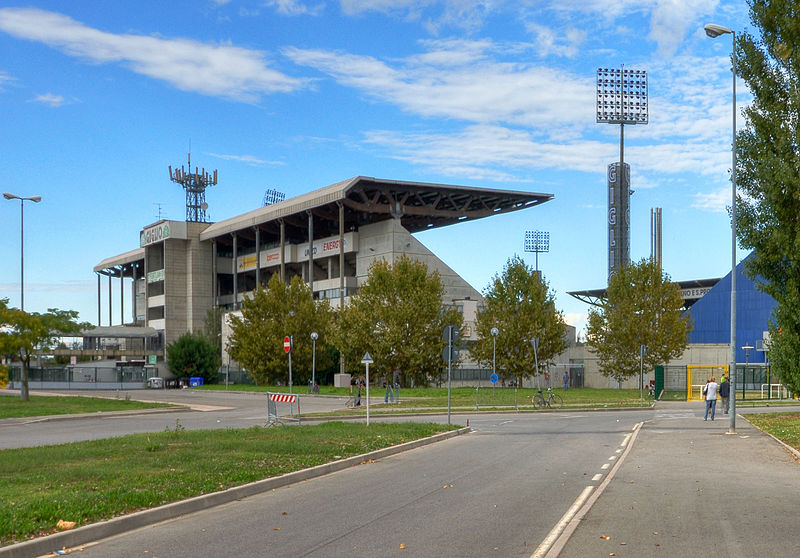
(235, 272)
(283, 251)
(98, 300)
(311, 252)
(341, 273)
(258, 257)
(122, 295)
(109, 299)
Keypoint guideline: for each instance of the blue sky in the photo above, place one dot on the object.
(99, 97)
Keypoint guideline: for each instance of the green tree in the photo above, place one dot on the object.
(22, 333)
(520, 305)
(271, 314)
(212, 328)
(193, 356)
(768, 171)
(398, 316)
(642, 307)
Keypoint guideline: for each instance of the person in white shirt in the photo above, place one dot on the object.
(710, 391)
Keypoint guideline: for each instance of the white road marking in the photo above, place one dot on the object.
(597, 477)
(562, 523)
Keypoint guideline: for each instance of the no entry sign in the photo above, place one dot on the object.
(287, 344)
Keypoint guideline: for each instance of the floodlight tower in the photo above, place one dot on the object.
(621, 99)
(195, 184)
(537, 242)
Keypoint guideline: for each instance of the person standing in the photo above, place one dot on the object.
(566, 380)
(724, 392)
(710, 391)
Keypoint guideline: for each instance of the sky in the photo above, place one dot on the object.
(99, 97)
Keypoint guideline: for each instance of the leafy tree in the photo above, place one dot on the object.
(212, 328)
(21, 333)
(642, 308)
(271, 314)
(768, 171)
(521, 307)
(193, 356)
(398, 315)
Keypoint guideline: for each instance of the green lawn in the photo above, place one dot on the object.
(11, 406)
(91, 481)
(784, 426)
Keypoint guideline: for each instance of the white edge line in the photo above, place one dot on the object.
(566, 531)
(556, 531)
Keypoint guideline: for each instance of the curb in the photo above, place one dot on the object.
(122, 524)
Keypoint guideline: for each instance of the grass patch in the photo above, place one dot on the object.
(92, 481)
(784, 426)
(41, 405)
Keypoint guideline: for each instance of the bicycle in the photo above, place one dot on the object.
(552, 401)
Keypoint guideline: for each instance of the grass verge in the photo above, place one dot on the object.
(41, 405)
(784, 426)
(86, 482)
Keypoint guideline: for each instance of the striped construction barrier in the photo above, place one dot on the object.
(273, 418)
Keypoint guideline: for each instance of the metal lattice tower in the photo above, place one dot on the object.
(195, 184)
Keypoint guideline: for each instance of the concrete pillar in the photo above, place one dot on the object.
(258, 257)
(341, 256)
(121, 295)
(311, 252)
(283, 251)
(98, 300)
(109, 299)
(235, 272)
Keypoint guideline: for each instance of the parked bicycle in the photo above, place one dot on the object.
(551, 400)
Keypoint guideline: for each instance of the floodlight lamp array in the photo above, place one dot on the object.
(537, 241)
(621, 96)
(273, 196)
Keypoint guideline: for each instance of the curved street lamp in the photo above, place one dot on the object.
(714, 31)
(22, 200)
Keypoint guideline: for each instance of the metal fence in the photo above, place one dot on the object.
(68, 377)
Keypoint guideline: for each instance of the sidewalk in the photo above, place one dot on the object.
(687, 488)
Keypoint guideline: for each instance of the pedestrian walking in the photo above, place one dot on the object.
(566, 380)
(724, 392)
(710, 391)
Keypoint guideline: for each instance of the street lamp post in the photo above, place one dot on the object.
(22, 200)
(314, 337)
(494, 331)
(714, 31)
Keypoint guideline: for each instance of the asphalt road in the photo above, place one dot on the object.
(496, 492)
(202, 410)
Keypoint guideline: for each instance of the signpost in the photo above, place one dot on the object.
(287, 348)
(367, 360)
(450, 335)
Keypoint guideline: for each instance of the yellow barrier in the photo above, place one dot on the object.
(694, 392)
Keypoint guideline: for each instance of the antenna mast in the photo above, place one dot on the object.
(195, 184)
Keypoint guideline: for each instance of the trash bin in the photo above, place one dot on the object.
(195, 382)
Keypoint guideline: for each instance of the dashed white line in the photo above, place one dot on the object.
(605, 466)
(597, 477)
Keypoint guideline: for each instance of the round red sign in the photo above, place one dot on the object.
(287, 344)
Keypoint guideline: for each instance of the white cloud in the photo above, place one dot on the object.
(246, 159)
(215, 70)
(716, 201)
(297, 7)
(466, 85)
(4, 80)
(50, 99)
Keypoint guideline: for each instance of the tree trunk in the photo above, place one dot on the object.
(23, 390)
